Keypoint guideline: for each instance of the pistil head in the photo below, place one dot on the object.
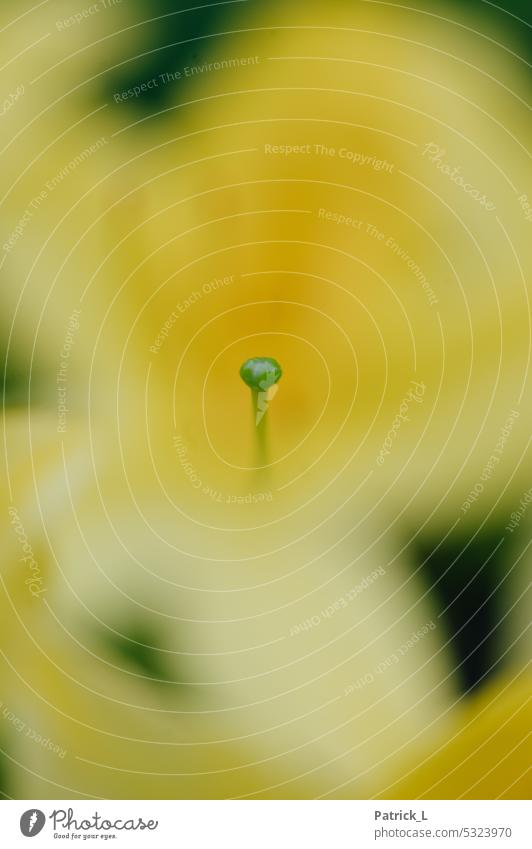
(260, 373)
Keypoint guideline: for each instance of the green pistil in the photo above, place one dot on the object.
(261, 374)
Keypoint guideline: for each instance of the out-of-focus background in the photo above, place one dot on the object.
(338, 608)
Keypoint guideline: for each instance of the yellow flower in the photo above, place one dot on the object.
(199, 621)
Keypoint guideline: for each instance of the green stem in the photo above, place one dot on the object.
(261, 433)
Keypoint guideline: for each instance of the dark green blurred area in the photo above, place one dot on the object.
(15, 383)
(4, 769)
(464, 576)
(179, 38)
(136, 647)
(182, 37)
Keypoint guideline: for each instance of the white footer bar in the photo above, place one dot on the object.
(267, 824)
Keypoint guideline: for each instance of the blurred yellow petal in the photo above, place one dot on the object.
(488, 752)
